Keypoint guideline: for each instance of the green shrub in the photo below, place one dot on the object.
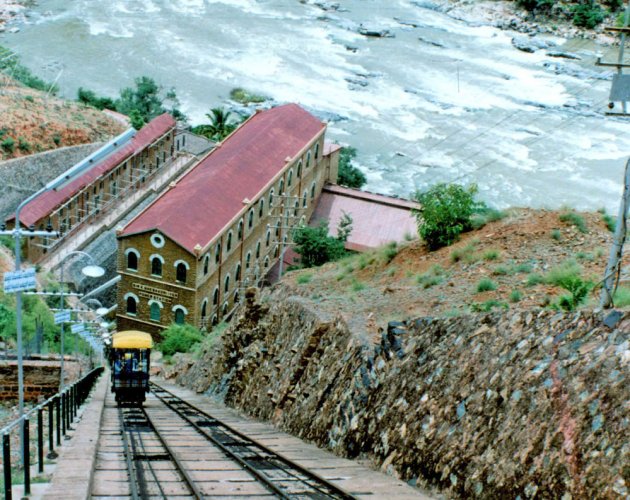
(432, 277)
(585, 256)
(491, 255)
(488, 305)
(8, 144)
(179, 338)
(556, 234)
(29, 98)
(357, 286)
(486, 285)
(389, 251)
(302, 279)
(563, 273)
(610, 221)
(524, 267)
(466, 254)
(445, 212)
(23, 145)
(537, 5)
(568, 276)
(483, 215)
(575, 220)
(587, 15)
(534, 279)
(245, 97)
(56, 139)
(315, 246)
(501, 271)
(91, 99)
(515, 296)
(10, 63)
(348, 174)
(622, 297)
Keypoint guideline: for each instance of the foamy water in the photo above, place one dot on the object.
(442, 102)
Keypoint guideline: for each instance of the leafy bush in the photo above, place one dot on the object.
(24, 145)
(610, 221)
(491, 254)
(466, 254)
(445, 212)
(348, 174)
(389, 251)
(179, 338)
(501, 271)
(556, 234)
(316, 247)
(515, 296)
(488, 305)
(357, 286)
(568, 276)
(91, 99)
(10, 64)
(432, 277)
(536, 5)
(587, 15)
(486, 285)
(245, 97)
(575, 220)
(534, 279)
(8, 144)
(302, 279)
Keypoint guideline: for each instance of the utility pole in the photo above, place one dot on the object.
(620, 92)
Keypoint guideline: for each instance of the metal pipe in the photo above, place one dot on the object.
(40, 440)
(27, 456)
(6, 465)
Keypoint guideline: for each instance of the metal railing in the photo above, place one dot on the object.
(61, 409)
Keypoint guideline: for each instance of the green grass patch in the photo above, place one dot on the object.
(501, 271)
(243, 96)
(622, 297)
(465, 254)
(304, 278)
(432, 277)
(534, 279)
(575, 220)
(610, 221)
(556, 234)
(488, 305)
(515, 296)
(357, 286)
(491, 254)
(486, 285)
(389, 251)
(523, 267)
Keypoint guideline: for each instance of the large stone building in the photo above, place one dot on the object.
(128, 165)
(221, 226)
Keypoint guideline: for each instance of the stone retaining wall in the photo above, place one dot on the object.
(530, 403)
(40, 381)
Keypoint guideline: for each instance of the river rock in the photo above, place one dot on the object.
(564, 55)
(431, 42)
(374, 31)
(530, 44)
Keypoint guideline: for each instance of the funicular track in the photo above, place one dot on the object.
(282, 477)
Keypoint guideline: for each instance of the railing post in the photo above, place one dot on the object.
(51, 431)
(58, 411)
(40, 440)
(6, 462)
(26, 453)
(63, 413)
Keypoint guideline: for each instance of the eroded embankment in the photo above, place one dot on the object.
(521, 403)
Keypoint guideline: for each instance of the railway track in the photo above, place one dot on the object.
(172, 449)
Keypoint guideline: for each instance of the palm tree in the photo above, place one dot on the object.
(220, 125)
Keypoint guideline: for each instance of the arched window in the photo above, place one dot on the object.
(226, 286)
(317, 151)
(299, 169)
(217, 253)
(215, 296)
(237, 274)
(266, 262)
(132, 259)
(239, 231)
(180, 272)
(281, 187)
(313, 191)
(290, 178)
(155, 310)
(258, 250)
(156, 265)
(215, 320)
(132, 305)
(261, 207)
(206, 264)
(268, 238)
(250, 219)
(278, 230)
(204, 308)
(304, 198)
(276, 250)
(297, 206)
(237, 297)
(180, 314)
(248, 259)
(308, 159)
(271, 199)
(225, 309)
(228, 245)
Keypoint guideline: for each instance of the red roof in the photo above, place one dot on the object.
(376, 219)
(210, 195)
(48, 201)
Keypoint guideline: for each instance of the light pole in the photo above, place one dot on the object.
(91, 271)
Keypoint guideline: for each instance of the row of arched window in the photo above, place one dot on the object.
(156, 262)
(155, 309)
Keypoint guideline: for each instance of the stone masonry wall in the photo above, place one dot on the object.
(23, 176)
(41, 380)
(531, 403)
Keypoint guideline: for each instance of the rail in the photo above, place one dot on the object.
(61, 410)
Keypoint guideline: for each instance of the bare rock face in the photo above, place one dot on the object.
(500, 405)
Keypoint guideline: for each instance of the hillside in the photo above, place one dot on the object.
(516, 254)
(33, 122)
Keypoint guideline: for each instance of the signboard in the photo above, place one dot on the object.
(77, 328)
(18, 281)
(62, 317)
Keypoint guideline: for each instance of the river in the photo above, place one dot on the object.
(441, 100)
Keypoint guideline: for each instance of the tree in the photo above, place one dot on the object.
(349, 175)
(344, 228)
(446, 211)
(315, 246)
(221, 125)
(179, 338)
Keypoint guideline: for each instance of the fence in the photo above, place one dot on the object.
(61, 409)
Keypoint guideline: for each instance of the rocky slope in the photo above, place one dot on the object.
(532, 403)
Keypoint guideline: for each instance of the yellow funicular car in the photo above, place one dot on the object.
(130, 357)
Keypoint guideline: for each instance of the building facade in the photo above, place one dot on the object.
(129, 165)
(188, 256)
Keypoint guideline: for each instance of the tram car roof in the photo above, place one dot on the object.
(132, 339)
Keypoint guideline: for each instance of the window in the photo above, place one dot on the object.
(204, 308)
(206, 264)
(217, 253)
(250, 219)
(317, 151)
(225, 309)
(237, 297)
(132, 305)
(179, 316)
(276, 251)
(304, 198)
(271, 199)
(132, 259)
(308, 159)
(278, 230)
(215, 296)
(281, 187)
(290, 178)
(228, 245)
(313, 191)
(237, 274)
(226, 285)
(156, 311)
(258, 250)
(180, 272)
(297, 206)
(266, 262)
(215, 320)
(261, 207)
(156, 266)
(239, 231)
(299, 169)
(268, 238)
(248, 259)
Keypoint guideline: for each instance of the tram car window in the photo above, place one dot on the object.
(130, 358)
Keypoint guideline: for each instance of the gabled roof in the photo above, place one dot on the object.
(48, 201)
(210, 195)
